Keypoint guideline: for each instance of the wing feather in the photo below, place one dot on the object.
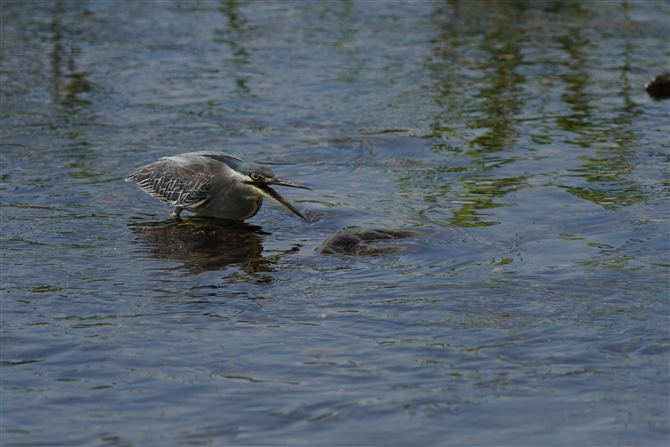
(173, 184)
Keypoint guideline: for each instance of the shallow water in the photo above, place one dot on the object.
(512, 142)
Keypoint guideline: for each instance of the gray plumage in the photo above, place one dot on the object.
(211, 184)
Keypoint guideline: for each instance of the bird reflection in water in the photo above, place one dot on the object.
(204, 243)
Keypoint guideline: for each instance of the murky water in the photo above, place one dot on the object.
(508, 148)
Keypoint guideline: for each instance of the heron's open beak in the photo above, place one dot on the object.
(274, 195)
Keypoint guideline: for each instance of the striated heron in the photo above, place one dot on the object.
(212, 184)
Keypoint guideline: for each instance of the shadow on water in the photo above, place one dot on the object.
(201, 244)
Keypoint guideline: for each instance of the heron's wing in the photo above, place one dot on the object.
(173, 184)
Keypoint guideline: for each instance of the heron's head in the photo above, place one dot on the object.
(261, 178)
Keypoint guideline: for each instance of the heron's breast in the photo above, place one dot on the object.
(255, 205)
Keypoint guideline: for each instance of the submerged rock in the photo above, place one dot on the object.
(362, 242)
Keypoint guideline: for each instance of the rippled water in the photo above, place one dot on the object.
(509, 145)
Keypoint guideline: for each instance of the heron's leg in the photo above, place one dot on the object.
(177, 211)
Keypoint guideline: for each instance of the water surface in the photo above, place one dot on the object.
(512, 141)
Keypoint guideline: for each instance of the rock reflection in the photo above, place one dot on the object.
(203, 244)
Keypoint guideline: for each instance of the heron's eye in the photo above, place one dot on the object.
(255, 176)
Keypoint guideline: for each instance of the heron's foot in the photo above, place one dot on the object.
(177, 211)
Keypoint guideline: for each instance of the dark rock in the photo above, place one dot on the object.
(659, 86)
